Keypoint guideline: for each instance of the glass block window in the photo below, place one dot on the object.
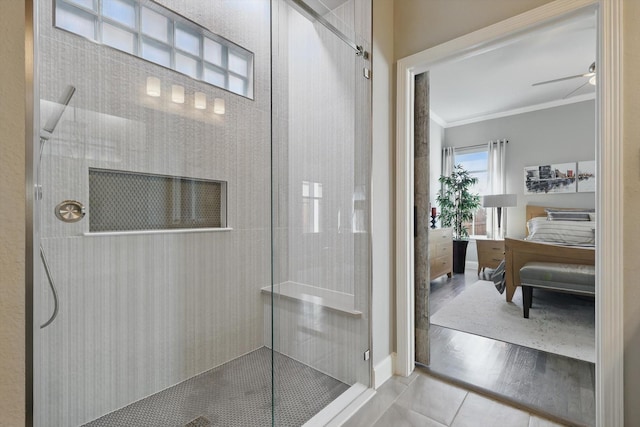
(156, 34)
(127, 201)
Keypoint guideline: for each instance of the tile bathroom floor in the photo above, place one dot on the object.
(421, 400)
(238, 393)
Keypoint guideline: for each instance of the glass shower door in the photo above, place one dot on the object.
(320, 205)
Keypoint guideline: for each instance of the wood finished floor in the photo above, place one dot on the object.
(556, 386)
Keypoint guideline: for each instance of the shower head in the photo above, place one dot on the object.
(51, 124)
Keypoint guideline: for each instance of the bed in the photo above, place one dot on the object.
(519, 252)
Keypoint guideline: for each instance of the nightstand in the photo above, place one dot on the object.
(440, 252)
(490, 253)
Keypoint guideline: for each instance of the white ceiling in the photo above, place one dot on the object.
(498, 81)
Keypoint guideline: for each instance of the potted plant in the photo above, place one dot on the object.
(457, 206)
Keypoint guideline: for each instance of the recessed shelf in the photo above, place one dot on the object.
(124, 201)
(139, 232)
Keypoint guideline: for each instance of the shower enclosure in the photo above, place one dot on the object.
(201, 211)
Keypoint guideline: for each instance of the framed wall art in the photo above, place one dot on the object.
(554, 178)
(587, 176)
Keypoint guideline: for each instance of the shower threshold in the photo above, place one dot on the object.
(237, 393)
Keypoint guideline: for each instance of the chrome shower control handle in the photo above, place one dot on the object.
(70, 211)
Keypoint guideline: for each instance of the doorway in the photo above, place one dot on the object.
(607, 345)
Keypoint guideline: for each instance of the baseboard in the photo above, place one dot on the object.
(384, 370)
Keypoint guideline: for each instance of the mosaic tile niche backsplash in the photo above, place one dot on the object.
(125, 201)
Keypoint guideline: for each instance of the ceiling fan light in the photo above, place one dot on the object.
(592, 80)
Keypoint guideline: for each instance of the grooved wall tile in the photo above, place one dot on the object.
(254, 180)
(319, 153)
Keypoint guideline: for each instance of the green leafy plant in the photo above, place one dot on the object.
(457, 203)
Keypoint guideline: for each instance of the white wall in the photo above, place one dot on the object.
(554, 135)
(382, 198)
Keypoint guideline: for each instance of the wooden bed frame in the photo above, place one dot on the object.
(519, 252)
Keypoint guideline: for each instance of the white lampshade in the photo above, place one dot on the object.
(499, 201)
(200, 101)
(177, 94)
(218, 106)
(153, 86)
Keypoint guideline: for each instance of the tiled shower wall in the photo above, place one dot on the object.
(321, 122)
(321, 126)
(139, 313)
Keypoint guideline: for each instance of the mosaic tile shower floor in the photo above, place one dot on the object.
(237, 393)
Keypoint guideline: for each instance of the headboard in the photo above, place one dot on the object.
(534, 211)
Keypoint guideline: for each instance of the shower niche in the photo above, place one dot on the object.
(129, 201)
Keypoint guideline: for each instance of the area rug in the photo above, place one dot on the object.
(558, 323)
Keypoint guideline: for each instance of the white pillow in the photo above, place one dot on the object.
(562, 232)
(568, 216)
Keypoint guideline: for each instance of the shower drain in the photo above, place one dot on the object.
(198, 422)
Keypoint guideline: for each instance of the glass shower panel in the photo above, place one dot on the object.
(320, 205)
(157, 324)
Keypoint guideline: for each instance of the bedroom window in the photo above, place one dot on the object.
(476, 161)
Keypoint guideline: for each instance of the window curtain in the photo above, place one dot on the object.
(497, 180)
(448, 162)
(448, 158)
(497, 159)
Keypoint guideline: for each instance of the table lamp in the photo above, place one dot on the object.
(499, 201)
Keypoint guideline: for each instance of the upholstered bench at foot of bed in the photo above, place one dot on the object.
(571, 278)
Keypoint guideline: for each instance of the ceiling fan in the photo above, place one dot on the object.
(591, 79)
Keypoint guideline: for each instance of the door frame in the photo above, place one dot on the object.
(609, 196)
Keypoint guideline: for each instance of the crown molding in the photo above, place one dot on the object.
(515, 111)
(436, 118)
